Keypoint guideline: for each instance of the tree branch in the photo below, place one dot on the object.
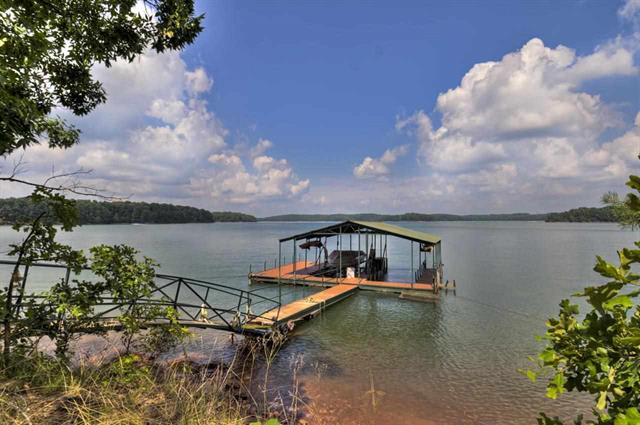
(74, 186)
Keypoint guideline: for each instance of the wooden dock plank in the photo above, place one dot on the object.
(287, 276)
(300, 309)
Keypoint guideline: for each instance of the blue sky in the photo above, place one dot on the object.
(318, 77)
(343, 107)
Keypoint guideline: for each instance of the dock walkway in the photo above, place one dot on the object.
(306, 307)
(299, 274)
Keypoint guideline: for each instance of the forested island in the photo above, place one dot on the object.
(14, 210)
(584, 215)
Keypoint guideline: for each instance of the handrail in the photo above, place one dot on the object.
(199, 282)
(194, 287)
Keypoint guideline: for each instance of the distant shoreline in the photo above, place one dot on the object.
(576, 215)
(13, 210)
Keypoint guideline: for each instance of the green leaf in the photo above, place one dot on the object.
(556, 386)
(547, 356)
(272, 421)
(630, 417)
(634, 182)
(602, 400)
(629, 340)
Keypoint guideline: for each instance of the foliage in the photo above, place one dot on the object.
(167, 336)
(47, 51)
(48, 48)
(13, 210)
(68, 308)
(39, 244)
(128, 282)
(599, 353)
(625, 210)
(584, 215)
(68, 311)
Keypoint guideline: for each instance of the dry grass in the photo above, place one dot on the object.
(132, 389)
(128, 391)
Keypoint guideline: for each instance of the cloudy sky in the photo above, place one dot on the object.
(462, 107)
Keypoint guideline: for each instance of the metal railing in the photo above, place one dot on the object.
(199, 303)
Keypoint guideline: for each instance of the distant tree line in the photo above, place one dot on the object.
(406, 217)
(13, 210)
(604, 214)
(584, 215)
(403, 217)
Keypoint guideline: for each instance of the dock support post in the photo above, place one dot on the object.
(359, 250)
(366, 266)
(340, 253)
(295, 261)
(279, 272)
(412, 271)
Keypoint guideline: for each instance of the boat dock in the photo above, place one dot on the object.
(299, 273)
(359, 262)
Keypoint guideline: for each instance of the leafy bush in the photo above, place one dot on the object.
(599, 354)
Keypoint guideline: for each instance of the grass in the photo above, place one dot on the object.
(129, 390)
(134, 389)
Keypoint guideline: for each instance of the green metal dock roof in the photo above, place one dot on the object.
(379, 227)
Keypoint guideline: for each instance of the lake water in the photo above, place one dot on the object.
(454, 361)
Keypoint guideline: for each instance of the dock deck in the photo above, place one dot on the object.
(299, 274)
(306, 307)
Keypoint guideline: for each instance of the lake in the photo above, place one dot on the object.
(454, 361)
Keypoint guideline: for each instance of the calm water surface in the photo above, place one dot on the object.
(454, 361)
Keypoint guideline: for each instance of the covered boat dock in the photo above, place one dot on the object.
(359, 261)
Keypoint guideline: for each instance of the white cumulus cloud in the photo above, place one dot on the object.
(379, 167)
(525, 124)
(156, 138)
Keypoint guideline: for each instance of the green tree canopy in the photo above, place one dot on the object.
(47, 50)
(599, 352)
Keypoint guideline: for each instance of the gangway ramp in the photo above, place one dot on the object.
(304, 308)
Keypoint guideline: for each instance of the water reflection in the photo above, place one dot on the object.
(455, 361)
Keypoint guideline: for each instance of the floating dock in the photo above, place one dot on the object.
(299, 273)
(359, 262)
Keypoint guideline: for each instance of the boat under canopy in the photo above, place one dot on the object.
(360, 257)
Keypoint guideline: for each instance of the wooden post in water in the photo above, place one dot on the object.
(359, 250)
(340, 253)
(366, 243)
(279, 272)
(295, 260)
(412, 271)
